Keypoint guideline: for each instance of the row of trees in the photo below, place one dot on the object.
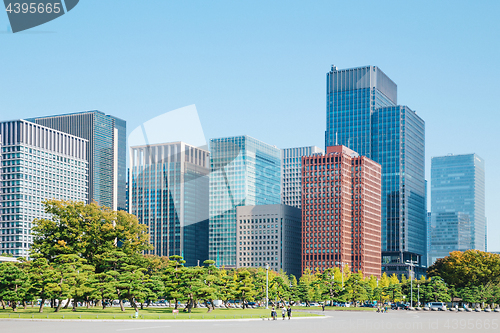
(473, 275)
(141, 280)
(92, 256)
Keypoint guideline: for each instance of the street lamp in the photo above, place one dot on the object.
(411, 264)
(267, 286)
(418, 294)
(342, 263)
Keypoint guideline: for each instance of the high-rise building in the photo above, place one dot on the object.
(352, 96)
(458, 220)
(38, 163)
(106, 152)
(269, 234)
(362, 114)
(168, 191)
(341, 217)
(243, 172)
(291, 159)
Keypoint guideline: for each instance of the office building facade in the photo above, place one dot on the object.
(458, 221)
(291, 159)
(269, 234)
(243, 172)
(106, 152)
(362, 114)
(37, 164)
(341, 215)
(168, 191)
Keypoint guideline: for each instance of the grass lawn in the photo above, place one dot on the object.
(147, 313)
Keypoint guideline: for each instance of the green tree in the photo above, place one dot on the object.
(357, 289)
(434, 290)
(70, 270)
(211, 279)
(467, 269)
(244, 289)
(41, 275)
(86, 230)
(14, 284)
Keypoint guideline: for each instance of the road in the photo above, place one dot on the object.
(334, 321)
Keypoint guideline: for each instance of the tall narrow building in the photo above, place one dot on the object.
(341, 218)
(458, 221)
(106, 152)
(168, 191)
(291, 159)
(37, 163)
(244, 172)
(362, 114)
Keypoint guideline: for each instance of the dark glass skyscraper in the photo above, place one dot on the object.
(362, 114)
(106, 152)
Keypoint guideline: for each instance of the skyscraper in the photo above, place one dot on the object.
(458, 220)
(169, 193)
(362, 114)
(244, 172)
(106, 152)
(38, 163)
(341, 211)
(291, 159)
(269, 234)
(352, 96)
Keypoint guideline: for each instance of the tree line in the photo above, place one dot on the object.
(91, 255)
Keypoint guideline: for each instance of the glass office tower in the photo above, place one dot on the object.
(291, 180)
(458, 221)
(244, 172)
(352, 95)
(398, 140)
(106, 152)
(362, 114)
(169, 193)
(37, 164)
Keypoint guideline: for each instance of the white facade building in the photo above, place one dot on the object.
(37, 163)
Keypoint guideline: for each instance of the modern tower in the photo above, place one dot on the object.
(341, 217)
(106, 152)
(169, 193)
(458, 220)
(269, 234)
(362, 114)
(291, 159)
(244, 172)
(38, 163)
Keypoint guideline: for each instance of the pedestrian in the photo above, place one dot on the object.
(385, 309)
(323, 306)
(273, 313)
(283, 312)
(289, 312)
(136, 314)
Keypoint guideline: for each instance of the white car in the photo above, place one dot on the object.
(440, 306)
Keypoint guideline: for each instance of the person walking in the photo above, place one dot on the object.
(289, 312)
(283, 312)
(273, 313)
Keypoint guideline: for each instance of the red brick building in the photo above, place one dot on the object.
(341, 211)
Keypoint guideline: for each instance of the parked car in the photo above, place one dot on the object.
(399, 306)
(441, 306)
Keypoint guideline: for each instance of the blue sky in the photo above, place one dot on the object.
(259, 67)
